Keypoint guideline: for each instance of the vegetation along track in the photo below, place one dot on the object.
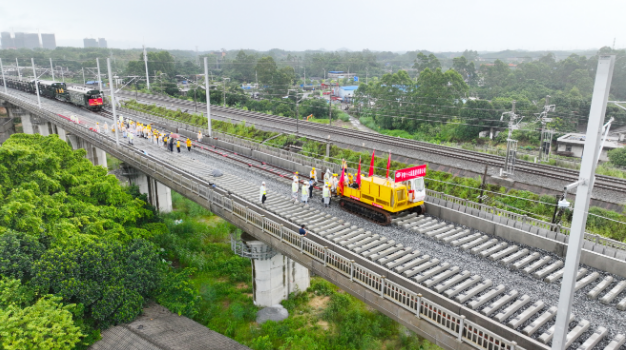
(568, 175)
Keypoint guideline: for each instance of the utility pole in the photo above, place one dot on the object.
(3, 79)
(51, 69)
(117, 138)
(593, 143)
(546, 135)
(482, 185)
(32, 60)
(17, 64)
(208, 97)
(84, 81)
(224, 87)
(145, 61)
(330, 110)
(511, 145)
(99, 76)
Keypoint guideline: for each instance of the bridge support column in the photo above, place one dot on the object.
(95, 155)
(27, 124)
(62, 134)
(159, 195)
(43, 129)
(276, 277)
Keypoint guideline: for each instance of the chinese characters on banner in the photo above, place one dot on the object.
(95, 101)
(410, 173)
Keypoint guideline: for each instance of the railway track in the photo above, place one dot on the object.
(556, 173)
(460, 284)
(506, 305)
(503, 303)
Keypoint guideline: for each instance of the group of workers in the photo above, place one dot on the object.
(131, 129)
(304, 190)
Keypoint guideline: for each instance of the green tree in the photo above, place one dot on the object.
(244, 66)
(423, 62)
(618, 156)
(18, 251)
(47, 324)
(266, 69)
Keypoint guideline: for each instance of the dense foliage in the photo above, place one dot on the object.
(75, 249)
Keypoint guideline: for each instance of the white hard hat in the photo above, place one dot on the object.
(263, 182)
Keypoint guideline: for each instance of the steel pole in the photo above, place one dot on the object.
(84, 81)
(17, 64)
(145, 61)
(117, 138)
(593, 140)
(208, 97)
(99, 79)
(3, 79)
(32, 60)
(52, 69)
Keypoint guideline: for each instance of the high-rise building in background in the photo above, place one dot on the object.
(102, 43)
(48, 41)
(90, 42)
(31, 41)
(19, 40)
(7, 41)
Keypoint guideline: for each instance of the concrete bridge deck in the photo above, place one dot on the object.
(352, 258)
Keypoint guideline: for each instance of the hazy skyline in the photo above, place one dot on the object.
(483, 25)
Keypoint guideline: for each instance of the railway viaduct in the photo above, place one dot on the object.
(433, 316)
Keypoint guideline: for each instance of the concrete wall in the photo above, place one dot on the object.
(592, 254)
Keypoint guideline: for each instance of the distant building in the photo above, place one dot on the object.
(19, 40)
(31, 41)
(48, 41)
(337, 74)
(90, 42)
(7, 41)
(572, 145)
(102, 43)
(346, 92)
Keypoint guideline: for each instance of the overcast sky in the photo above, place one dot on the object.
(390, 25)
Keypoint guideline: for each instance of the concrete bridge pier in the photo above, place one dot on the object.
(159, 195)
(95, 155)
(274, 275)
(62, 134)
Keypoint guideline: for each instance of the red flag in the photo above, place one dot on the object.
(388, 164)
(358, 174)
(371, 172)
(341, 180)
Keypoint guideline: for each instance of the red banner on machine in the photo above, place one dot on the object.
(410, 173)
(95, 102)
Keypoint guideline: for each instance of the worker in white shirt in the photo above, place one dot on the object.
(334, 182)
(263, 193)
(295, 177)
(326, 195)
(305, 194)
(294, 190)
(327, 176)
